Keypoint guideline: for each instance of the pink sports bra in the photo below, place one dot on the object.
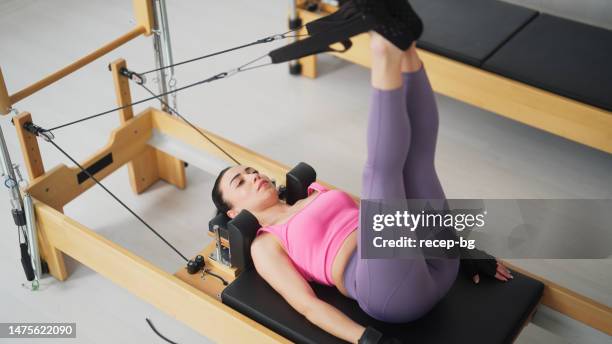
(313, 236)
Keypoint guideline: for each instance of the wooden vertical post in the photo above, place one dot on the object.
(33, 161)
(309, 63)
(5, 101)
(143, 12)
(143, 169)
(29, 146)
(122, 90)
(152, 164)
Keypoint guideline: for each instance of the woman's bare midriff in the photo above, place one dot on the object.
(344, 254)
(342, 259)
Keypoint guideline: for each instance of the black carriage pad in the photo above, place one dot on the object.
(562, 56)
(468, 30)
(490, 312)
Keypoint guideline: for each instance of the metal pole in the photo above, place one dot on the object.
(8, 175)
(163, 53)
(12, 183)
(28, 206)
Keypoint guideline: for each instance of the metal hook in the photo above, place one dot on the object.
(272, 38)
(172, 82)
(9, 182)
(18, 175)
(13, 111)
(47, 135)
(137, 78)
(231, 72)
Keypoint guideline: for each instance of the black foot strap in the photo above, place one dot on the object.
(321, 42)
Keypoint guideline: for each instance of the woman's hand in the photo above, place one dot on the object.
(486, 265)
(502, 273)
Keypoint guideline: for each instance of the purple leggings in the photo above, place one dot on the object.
(401, 136)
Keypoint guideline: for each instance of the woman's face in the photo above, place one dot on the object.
(244, 188)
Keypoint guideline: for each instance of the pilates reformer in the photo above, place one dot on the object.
(154, 144)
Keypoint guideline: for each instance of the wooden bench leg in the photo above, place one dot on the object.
(152, 165)
(309, 66)
(143, 171)
(309, 63)
(171, 169)
(53, 256)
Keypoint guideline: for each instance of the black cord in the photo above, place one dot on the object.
(242, 68)
(213, 78)
(217, 276)
(259, 41)
(117, 199)
(191, 125)
(158, 333)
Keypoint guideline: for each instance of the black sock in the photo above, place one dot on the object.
(396, 20)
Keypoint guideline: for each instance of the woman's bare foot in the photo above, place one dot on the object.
(410, 60)
(386, 63)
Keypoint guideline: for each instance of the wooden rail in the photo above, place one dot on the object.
(143, 12)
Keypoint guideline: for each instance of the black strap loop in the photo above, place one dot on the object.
(321, 42)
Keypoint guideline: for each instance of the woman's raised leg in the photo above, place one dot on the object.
(420, 177)
(393, 290)
(388, 133)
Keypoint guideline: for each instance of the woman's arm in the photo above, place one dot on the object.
(273, 264)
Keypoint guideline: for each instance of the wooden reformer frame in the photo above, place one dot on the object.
(188, 298)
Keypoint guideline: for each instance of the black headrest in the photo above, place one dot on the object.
(297, 182)
(241, 230)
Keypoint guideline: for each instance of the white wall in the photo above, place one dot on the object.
(594, 12)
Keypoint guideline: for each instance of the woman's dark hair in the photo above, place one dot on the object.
(217, 197)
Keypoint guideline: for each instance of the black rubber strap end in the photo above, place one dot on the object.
(295, 23)
(26, 262)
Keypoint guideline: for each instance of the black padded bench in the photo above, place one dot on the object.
(560, 56)
(490, 312)
(465, 314)
(544, 71)
(555, 54)
(469, 30)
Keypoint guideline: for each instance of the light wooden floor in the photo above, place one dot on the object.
(290, 119)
